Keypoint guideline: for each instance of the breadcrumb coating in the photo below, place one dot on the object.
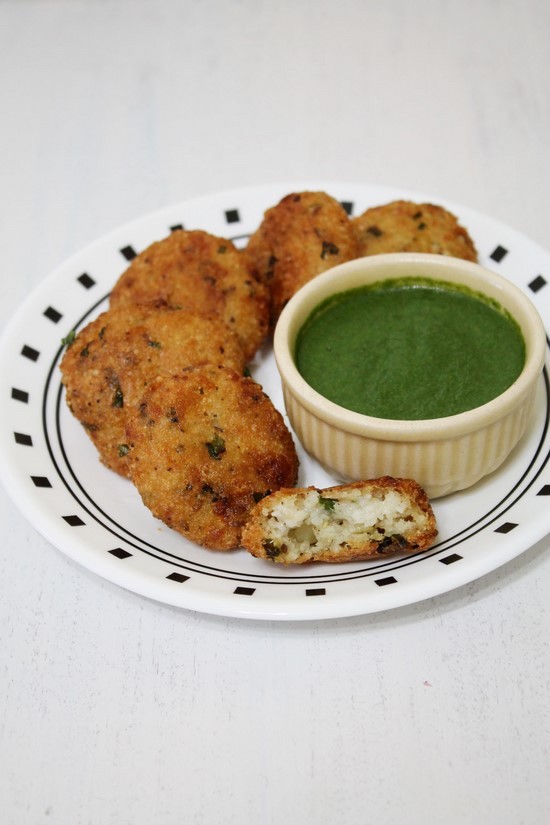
(202, 273)
(113, 359)
(404, 226)
(204, 447)
(305, 234)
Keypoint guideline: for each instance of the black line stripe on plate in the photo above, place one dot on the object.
(19, 395)
(30, 353)
(86, 280)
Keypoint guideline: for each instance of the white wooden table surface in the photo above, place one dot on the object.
(117, 710)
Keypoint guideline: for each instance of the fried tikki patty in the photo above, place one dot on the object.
(403, 226)
(305, 234)
(204, 448)
(113, 359)
(349, 522)
(203, 273)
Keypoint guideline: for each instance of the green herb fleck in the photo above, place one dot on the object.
(329, 248)
(375, 231)
(271, 550)
(68, 340)
(259, 496)
(216, 447)
(392, 544)
(209, 490)
(222, 249)
(101, 333)
(246, 372)
(85, 352)
(118, 398)
(327, 503)
(270, 270)
(123, 449)
(155, 344)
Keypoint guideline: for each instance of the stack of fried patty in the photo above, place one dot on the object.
(159, 380)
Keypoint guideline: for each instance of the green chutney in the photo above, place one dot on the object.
(410, 349)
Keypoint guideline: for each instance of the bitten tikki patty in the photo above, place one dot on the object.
(361, 520)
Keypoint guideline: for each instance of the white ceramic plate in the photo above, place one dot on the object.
(51, 470)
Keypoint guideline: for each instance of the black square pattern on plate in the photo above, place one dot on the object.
(40, 481)
(19, 395)
(244, 591)
(387, 580)
(450, 559)
(53, 315)
(30, 353)
(544, 491)
(537, 283)
(347, 206)
(73, 521)
(177, 577)
(316, 591)
(23, 439)
(120, 553)
(498, 253)
(86, 280)
(232, 216)
(175, 227)
(128, 252)
(506, 527)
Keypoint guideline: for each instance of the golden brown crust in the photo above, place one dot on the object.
(305, 234)
(203, 273)
(113, 359)
(404, 226)
(204, 446)
(300, 525)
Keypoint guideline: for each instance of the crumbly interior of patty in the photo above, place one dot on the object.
(306, 524)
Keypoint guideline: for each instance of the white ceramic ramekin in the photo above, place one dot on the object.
(442, 454)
